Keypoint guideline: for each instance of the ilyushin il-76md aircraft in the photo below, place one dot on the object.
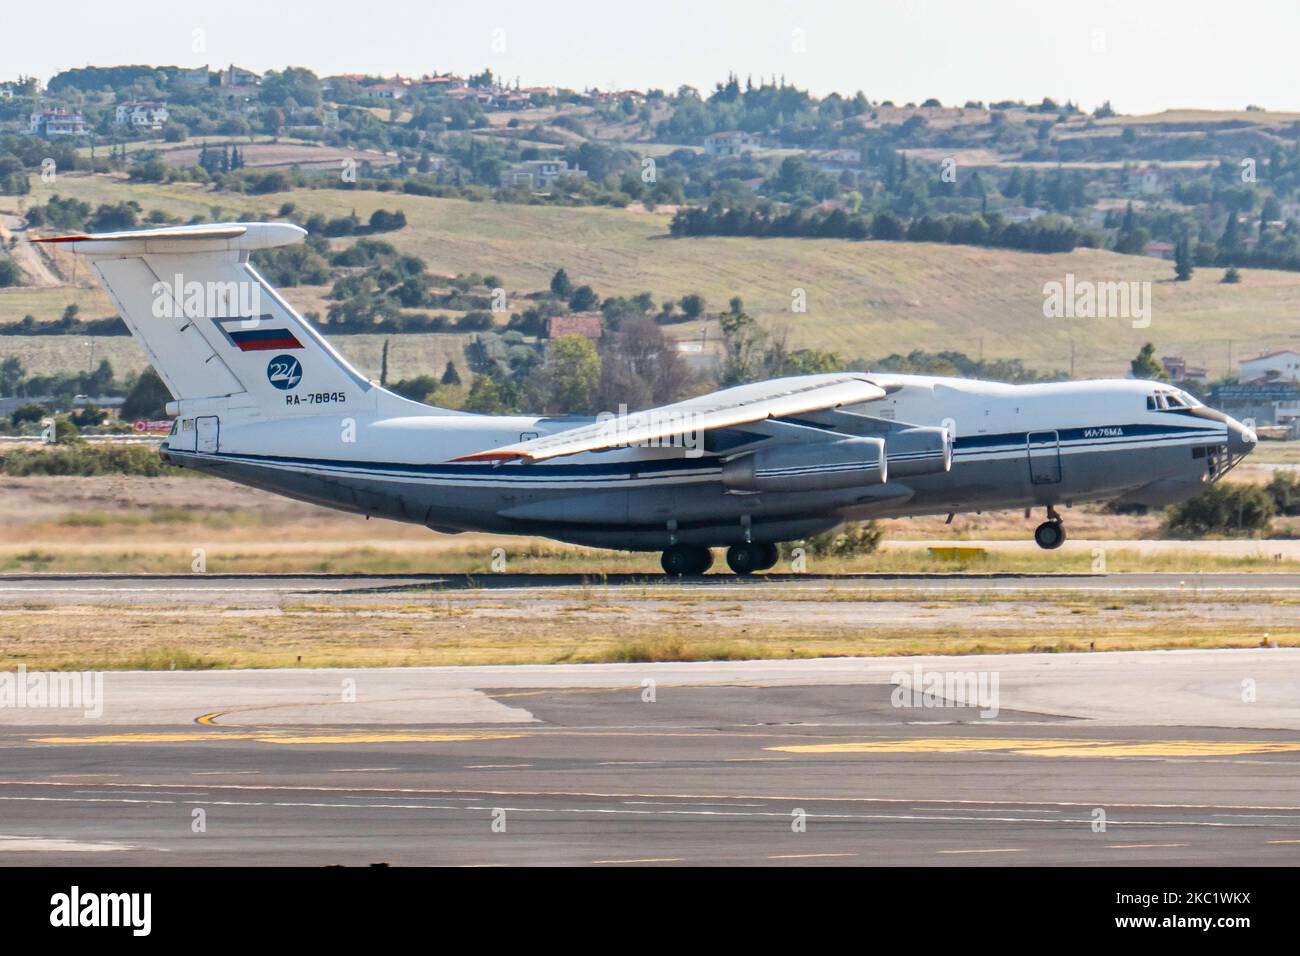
(263, 399)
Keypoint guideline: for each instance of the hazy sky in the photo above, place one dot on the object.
(1143, 55)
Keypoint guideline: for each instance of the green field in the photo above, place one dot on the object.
(864, 299)
(408, 355)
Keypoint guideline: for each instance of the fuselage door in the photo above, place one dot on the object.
(207, 435)
(1044, 458)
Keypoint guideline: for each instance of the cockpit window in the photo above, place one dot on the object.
(1151, 403)
(1174, 401)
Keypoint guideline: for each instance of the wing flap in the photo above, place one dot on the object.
(733, 406)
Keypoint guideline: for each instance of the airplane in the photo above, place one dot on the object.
(262, 398)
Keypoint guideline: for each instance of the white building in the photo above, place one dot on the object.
(141, 115)
(1021, 213)
(51, 123)
(837, 160)
(730, 143)
(1146, 180)
(1276, 366)
(538, 173)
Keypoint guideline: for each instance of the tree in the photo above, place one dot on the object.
(295, 84)
(640, 367)
(886, 226)
(485, 397)
(12, 373)
(584, 299)
(692, 305)
(147, 398)
(1230, 241)
(1224, 508)
(560, 284)
(65, 432)
(28, 413)
(383, 365)
(9, 274)
(571, 375)
(1183, 267)
(1147, 366)
(449, 375)
(416, 389)
(743, 341)
(1284, 488)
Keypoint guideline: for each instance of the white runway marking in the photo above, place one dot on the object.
(18, 844)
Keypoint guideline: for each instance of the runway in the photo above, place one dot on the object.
(1086, 759)
(244, 588)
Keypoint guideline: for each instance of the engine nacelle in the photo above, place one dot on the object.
(919, 451)
(814, 466)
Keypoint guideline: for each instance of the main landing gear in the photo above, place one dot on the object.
(748, 558)
(1050, 535)
(688, 560)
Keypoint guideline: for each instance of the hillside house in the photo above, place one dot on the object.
(55, 123)
(729, 144)
(538, 174)
(141, 115)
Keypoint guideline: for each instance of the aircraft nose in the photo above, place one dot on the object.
(1241, 440)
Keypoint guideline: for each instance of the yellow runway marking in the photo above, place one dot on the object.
(805, 856)
(1283, 841)
(207, 719)
(648, 859)
(274, 738)
(1140, 846)
(1000, 850)
(1049, 747)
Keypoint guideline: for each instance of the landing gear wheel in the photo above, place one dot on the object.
(748, 558)
(1050, 535)
(682, 560)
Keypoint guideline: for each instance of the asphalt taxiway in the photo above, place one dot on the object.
(1178, 757)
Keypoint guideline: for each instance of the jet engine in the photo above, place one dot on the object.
(811, 466)
(919, 450)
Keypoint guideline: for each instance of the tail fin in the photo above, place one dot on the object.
(219, 336)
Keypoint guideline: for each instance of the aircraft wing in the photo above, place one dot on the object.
(731, 406)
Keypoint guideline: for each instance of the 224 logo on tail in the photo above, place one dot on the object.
(284, 372)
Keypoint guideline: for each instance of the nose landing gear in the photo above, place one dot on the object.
(1050, 535)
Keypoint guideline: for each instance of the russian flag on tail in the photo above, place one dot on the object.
(255, 335)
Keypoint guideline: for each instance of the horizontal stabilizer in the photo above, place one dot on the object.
(211, 237)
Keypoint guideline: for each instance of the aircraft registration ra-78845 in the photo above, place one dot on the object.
(263, 399)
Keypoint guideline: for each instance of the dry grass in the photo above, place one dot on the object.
(448, 629)
(864, 298)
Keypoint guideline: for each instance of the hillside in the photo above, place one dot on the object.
(865, 299)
